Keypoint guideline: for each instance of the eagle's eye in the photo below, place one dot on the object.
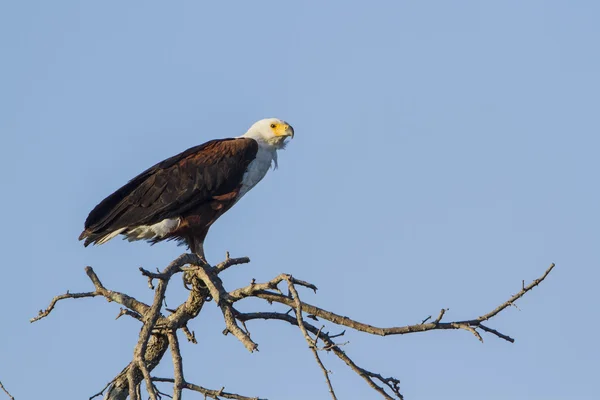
(273, 126)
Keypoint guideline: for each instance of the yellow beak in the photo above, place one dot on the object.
(289, 131)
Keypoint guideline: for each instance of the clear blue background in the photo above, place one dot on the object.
(444, 152)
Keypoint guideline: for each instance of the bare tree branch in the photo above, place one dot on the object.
(110, 295)
(144, 361)
(6, 391)
(230, 262)
(101, 392)
(221, 297)
(177, 366)
(119, 389)
(159, 332)
(495, 332)
(516, 297)
(150, 319)
(190, 335)
(312, 344)
(401, 330)
(132, 314)
(253, 288)
(330, 345)
(213, 394)
(56, 299)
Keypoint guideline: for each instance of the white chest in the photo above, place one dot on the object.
(257, 169)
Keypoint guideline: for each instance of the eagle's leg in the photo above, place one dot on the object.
(197, 247)
(199, 250)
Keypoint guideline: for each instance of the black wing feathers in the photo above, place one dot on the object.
(173, 186)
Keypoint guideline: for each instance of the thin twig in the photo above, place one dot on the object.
(254, 288)
(110, 295)
(190, 335)
(56, 299)
(440, 316)
(468, 328)
(6, 391)
(213, 394)
(312, 343)
(101, 392)
(516, 297)
(130, 313)
(495, 332)
(230, 262)
(392, 383)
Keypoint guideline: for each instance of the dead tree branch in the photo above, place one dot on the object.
(468, 325)
(392, 383)
(230, 262)
(179, 381)
(215, 286)
(6, 391)
(312, 343)
(121, 298)
(208, 393)
(159, 331)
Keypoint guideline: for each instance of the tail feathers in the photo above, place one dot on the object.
(98, 238)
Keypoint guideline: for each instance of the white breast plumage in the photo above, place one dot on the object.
(257, 169)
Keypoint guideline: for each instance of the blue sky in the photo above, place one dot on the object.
(444, 152)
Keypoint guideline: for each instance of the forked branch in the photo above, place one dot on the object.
(159, 331)
(208, 393)
(468, 325)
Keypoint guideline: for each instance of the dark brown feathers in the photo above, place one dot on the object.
(173, 187)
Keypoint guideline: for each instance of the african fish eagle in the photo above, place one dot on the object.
(181, 197)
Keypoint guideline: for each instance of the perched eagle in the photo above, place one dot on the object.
(182, 196)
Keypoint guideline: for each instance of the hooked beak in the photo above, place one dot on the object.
(289, 131)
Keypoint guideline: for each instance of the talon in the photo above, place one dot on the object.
(186, 281)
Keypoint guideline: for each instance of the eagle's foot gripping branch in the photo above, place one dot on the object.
(187, 279)
(159, 331)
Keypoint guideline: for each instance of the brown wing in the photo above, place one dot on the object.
(173, 186)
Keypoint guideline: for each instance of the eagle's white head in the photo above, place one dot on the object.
(271, 131)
